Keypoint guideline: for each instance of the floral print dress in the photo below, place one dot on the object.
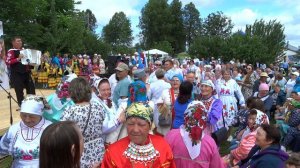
(228, 92)
(93, 136)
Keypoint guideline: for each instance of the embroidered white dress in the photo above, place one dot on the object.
(226, 92)
(23, 143)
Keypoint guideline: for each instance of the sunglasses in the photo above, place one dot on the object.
(157, 64)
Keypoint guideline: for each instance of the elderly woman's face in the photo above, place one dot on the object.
(226, 76)
(263, 93)
(30, 120)
(206, 90)
(104, 90)
(261, 140)
(175, 82)
(138, 130)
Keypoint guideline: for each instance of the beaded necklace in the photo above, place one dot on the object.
(143, 154)
(207, 102)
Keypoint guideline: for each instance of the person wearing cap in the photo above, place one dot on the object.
(22, 140)
(213, 105)
(263, 94)
(263, 79)
(191, 146)
(291, 83)
(121, 90)
(139, 74)
(139, 148)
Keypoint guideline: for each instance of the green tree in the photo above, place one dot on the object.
(21, 18)
(164, 46)
(91, 20)
(271, 35)
(192, 23)
(118, 32)
(177, 33)
(217, 24)
(155, 23)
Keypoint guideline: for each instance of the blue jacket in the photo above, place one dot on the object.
(179, 113)
(271, 157)
(281, 97)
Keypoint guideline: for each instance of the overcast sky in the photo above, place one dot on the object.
(241, 12)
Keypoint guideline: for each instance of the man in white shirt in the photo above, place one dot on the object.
(152, 77)
(157, 87)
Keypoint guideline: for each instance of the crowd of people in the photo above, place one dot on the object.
(167, 114)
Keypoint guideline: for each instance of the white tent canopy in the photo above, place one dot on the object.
(155, 51)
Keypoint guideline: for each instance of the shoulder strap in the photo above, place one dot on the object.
(87, 121)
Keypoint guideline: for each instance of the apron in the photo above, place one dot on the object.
(26, 153)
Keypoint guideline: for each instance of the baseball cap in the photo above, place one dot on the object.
(122, 67)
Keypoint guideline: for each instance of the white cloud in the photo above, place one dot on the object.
(242, 17)
(104, 10)
(288, 19)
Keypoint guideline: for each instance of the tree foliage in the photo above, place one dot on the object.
(217, 24)
(155, 23)
(51, 25)
(118, 33)
(177, 33)
(192, 23)
(164, 46)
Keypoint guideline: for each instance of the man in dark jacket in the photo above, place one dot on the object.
(20, 74)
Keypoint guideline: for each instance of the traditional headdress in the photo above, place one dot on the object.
(208, 83)
(140, 110)
(193, 129)
(33, 104)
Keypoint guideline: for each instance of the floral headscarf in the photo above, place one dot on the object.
(195, 120)
(140, 110)
(62, 88)
(261, 118)
(194, 124)
(137, 92)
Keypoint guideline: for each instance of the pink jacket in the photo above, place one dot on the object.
(246, 144)
(209, 156)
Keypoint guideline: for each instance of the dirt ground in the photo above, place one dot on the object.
(4, 107)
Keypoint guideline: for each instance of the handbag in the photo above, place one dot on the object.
(164, 120)
(221, 134)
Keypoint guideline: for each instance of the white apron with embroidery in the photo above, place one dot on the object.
(26, 152)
